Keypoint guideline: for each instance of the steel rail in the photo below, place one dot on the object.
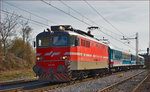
(136, 87)
(59, 85)
(14, 82)
(117, 83)
(13, 89)
(22, 87)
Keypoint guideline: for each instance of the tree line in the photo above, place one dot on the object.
(15, 39)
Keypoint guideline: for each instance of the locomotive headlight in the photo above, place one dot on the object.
(63, 57)
(61, 28)
(61, 68)
(38, 58)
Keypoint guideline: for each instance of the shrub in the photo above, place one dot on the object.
(21, 56)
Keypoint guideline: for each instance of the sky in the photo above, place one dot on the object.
(128, 18)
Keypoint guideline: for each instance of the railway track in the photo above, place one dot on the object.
(136, 87)
(13, 82)
(38, 86)
(109, 88)
(19, 86)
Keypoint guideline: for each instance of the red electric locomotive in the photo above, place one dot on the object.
(64, 54)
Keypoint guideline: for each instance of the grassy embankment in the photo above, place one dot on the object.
(14, 68)
(18, 62)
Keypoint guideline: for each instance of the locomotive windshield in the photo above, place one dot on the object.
(60, 41)
(44, 42)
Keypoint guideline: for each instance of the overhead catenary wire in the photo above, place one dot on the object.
(66, 13)
(86, 17)
(82, 21)
(52, 21)
(118, 48)
(30, 13)
(116, 39)
(104, 18)
(47, 25)
(37, 22)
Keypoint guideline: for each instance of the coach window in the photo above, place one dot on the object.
(111, 54)
(114, 54)
(133, 58)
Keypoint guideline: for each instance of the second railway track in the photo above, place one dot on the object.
(129, 84)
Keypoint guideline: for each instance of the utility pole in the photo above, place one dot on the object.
(136, 38)
(136, 47)
(149, 50)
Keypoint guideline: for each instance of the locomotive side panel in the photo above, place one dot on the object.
(90, 55)
(73, 58)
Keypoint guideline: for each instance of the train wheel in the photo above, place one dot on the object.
(85, 75)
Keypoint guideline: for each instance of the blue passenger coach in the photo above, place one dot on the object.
(120, 60)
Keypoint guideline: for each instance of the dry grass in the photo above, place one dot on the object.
(13, 68)
(16, 75)
(12, 63)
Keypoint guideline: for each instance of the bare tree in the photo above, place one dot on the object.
(25, 31)
(8, 26)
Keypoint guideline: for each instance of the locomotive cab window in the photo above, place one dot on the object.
(43, 42)
(74, 41)
(60, 41)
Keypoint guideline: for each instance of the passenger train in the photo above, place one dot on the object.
(65, 54)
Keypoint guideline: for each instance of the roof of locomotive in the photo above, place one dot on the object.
(85, 36)
(55, 30)
(48, 33)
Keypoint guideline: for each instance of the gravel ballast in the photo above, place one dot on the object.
(129, 85)
(97, 84)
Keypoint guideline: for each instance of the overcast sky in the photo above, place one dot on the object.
(128, 17)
